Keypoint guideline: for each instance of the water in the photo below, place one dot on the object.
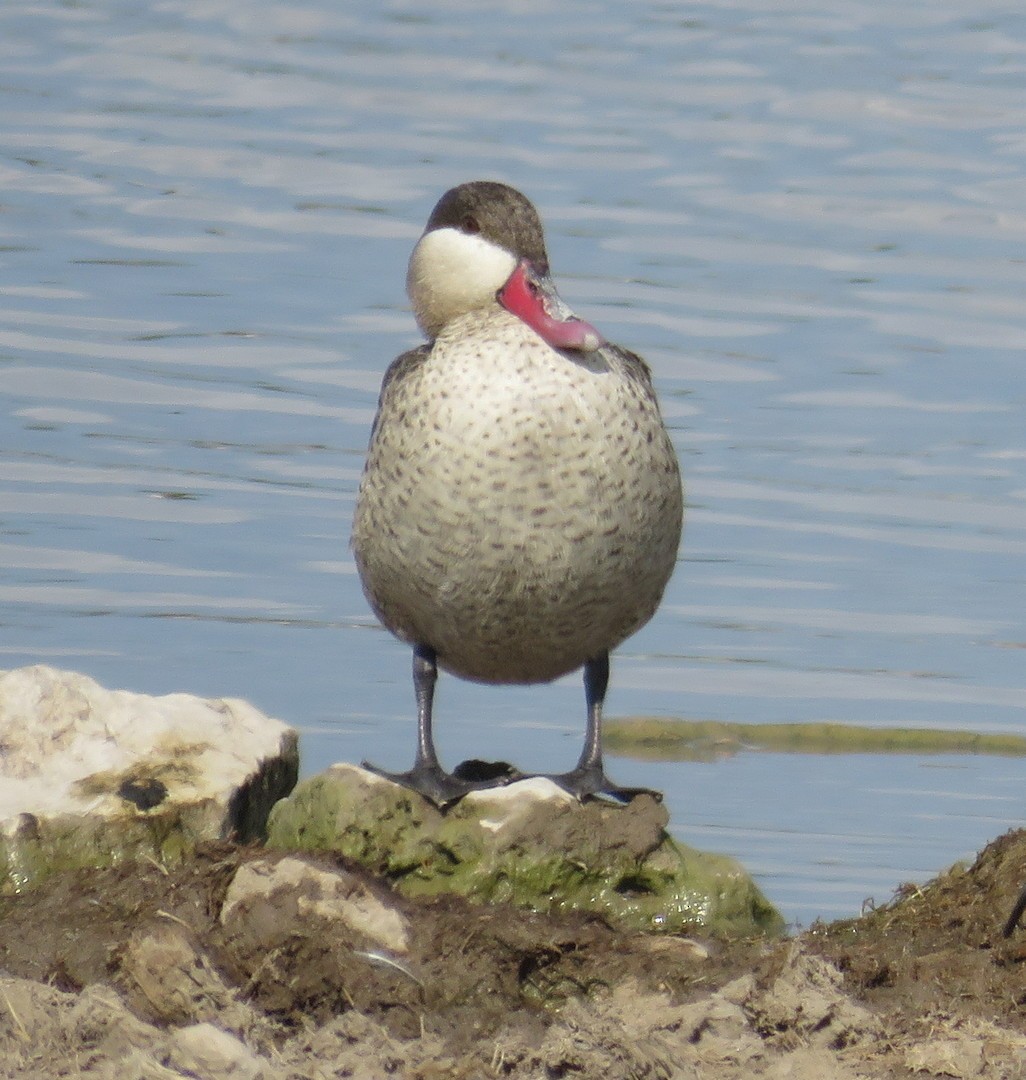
(811, 223)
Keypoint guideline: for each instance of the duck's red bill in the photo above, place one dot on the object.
(533, 298)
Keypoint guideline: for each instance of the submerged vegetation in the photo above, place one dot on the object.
(700, 740)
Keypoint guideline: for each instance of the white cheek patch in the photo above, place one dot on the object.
(451, 273)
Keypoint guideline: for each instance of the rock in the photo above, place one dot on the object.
(335, 895)
(294, 930)
(528, 844)
(206, 1050)
(89, 776)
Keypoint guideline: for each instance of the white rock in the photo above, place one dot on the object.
(75, 751)
(511, 804)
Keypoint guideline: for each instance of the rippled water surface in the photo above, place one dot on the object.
(810, 221)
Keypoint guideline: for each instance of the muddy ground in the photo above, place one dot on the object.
(131, 973)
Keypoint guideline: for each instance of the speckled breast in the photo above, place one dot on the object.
(520, 510)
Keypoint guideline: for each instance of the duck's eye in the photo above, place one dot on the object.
(470, 225)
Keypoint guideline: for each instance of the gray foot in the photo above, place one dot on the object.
(445, 789)
(591, 782)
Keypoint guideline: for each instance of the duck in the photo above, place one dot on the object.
(521, 505)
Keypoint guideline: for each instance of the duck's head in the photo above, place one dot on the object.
(483, 246)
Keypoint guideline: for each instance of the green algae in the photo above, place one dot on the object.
(654, 738)
(44, 846)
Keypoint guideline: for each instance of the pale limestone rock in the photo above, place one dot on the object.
(336, 895)
(88, 775)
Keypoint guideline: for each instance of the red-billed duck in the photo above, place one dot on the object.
(521, 506)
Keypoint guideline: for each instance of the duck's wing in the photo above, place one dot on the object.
(633, 366)
(401, 368)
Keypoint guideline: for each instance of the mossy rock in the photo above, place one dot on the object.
(529, 844)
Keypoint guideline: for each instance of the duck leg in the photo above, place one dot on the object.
(427, 777)
(588, 777)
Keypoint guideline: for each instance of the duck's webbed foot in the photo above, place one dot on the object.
(590, 782)
(444, 789)
(432, 781)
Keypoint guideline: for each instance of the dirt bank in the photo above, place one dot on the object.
(131, 973)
